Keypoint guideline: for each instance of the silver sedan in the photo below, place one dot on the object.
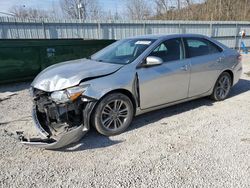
(129, 77)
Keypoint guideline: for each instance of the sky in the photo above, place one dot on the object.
(107, 5)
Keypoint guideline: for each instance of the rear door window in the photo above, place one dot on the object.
(199, 47)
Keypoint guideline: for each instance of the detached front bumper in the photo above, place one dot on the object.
(66, 137)
(58, 124)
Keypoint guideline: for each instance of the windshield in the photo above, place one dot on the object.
(123, 51)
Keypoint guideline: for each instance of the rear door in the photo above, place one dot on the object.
(205, 58)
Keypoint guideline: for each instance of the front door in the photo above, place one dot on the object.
(167, 82)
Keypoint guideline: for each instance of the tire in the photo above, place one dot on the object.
(222, 87)
(113, 114)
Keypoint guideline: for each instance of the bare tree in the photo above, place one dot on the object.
(31, 13)
(161, 6)
(138, 9)
(85, 9)
(203, 10)
(170, 9)
(111, 16)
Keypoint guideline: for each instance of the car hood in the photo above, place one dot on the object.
(71, 73)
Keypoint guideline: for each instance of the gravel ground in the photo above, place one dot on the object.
(196, 144)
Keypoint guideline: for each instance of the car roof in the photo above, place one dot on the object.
(161, 36)
(166, 37)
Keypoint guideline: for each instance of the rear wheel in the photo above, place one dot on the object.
(222, 87)
(113, 114)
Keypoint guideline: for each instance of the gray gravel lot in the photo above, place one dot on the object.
(199, 143)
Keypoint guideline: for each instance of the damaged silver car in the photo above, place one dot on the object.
(128, 78)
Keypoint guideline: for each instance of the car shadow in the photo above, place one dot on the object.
(93, 140)
(241, 87)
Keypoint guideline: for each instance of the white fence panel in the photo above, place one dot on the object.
(16, 28)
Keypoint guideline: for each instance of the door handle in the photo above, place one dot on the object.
(185, 67)
(219, 60)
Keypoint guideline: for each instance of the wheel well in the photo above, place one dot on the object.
(231, 75)
(127, 93)
(123, 91)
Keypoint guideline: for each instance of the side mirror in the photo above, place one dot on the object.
(152, 60)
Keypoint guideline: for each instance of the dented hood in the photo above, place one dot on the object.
(70, 73)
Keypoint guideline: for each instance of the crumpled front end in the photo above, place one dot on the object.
(58, 124)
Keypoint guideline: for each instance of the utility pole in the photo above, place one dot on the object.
(245, 11)
(179, 4)
(79, 7)
(220, 10)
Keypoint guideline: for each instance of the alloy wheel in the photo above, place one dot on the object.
(114, 114)
(223, 87)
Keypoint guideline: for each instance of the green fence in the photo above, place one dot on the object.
(24, 59)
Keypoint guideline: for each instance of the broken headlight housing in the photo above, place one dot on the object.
(70, 94)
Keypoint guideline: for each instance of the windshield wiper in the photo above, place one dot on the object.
(98, 60)
(101, 60)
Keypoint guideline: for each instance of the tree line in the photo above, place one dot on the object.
(220, 10)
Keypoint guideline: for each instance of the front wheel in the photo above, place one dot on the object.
(222, 87)
(113, 114)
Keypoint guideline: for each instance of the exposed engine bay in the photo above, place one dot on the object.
(54, 116)
(59, 124)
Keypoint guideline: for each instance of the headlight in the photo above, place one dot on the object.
(69, 94)
(59, 96)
